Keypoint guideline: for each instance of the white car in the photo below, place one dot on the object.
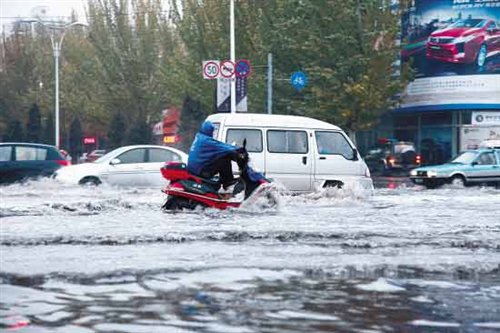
(137, 165)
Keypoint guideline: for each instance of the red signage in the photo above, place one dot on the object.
(89, 140)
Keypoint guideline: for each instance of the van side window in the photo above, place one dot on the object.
(291, 142)
(216, 130)
(253, 136)
(333, 143)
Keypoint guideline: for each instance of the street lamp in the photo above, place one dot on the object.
(56, 48)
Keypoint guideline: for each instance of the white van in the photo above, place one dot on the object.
(303, 154)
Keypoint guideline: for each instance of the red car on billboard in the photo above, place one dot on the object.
(468, 41)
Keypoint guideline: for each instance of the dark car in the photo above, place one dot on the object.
(20, 161)
(465, 41)
(392, 156)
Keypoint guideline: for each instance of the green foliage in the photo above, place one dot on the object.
(140, 133)
(117, 130)
(75, 139)
(192, 115)
(34, 125)
(138, 57)
(14, 131)
(48, 135)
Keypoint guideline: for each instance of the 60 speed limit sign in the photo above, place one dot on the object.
(210, 69)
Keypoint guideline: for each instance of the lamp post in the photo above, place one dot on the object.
(56, 42)
(233, 54)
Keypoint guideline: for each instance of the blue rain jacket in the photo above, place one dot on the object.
(206, 150)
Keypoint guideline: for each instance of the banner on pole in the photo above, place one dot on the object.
(224, 95)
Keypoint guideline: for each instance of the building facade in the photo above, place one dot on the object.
(454, 101)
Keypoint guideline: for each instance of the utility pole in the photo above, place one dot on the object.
(233, 55)
(270, 83)
(56, 48)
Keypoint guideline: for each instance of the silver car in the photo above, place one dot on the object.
(137, 165)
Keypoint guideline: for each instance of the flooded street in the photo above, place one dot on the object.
(108, 260)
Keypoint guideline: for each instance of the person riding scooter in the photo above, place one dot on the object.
(208, 156)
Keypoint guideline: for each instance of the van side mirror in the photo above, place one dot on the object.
(355, 154)
(474, 163)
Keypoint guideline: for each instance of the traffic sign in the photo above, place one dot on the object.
(243, 68)
(210, 69)
(227, 69)
(298, 80)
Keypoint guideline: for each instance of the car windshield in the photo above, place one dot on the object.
(100, 159)
(470, 23)
(465, 157)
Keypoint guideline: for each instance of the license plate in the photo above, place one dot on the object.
(419, 181)
(435, 47)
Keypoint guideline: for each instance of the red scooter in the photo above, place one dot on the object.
(187, 191)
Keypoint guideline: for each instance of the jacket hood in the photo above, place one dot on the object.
(207, 128)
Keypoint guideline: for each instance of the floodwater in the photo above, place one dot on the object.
(404, 259)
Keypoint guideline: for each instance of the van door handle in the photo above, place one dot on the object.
(322, 158)
(304, 159)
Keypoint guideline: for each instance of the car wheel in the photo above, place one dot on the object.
(90, 181)
(481, 56)
(431, 184)
(457, 181)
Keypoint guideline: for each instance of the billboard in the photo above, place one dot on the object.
(454, 48)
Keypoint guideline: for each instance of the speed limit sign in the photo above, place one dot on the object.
(211, 69)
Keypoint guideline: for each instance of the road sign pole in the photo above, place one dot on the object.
(270, 83)
(233, 55)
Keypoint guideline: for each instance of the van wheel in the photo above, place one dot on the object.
(333, 183)
(90, 181)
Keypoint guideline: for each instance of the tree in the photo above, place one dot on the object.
(192, 115)
(14, 131)
(117, 130)
(48, 130)
(140, 133)
(75, 139)
(34, 125)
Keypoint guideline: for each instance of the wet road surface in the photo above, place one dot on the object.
(404, 259)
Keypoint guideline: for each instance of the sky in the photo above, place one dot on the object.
(11, 10)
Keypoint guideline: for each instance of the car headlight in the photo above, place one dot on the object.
(432, 173)
(413, 172)
(463, 39)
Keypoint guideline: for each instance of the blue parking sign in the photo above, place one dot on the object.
(298, 80)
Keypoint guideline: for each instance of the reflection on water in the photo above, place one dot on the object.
(108, 260)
